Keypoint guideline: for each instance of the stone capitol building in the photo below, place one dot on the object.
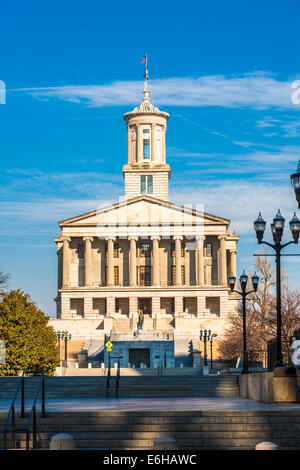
(145, 272)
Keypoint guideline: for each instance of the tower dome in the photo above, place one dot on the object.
(146, 171)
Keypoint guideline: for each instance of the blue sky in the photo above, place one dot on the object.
(223, 71)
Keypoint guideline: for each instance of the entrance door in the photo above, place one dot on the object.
(138, 356)
(145, 306)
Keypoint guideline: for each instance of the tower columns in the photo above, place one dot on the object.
(153, 149)
(139, 141)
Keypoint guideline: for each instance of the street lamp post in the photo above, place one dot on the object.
(277, 231)
(211, 349)
(66, 336)
(243, 283)
(295, 181)
(205, 336)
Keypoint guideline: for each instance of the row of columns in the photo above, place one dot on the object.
(155, 267)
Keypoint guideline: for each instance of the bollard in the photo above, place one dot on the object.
(266, 446)
(62, 441)
(164, 443)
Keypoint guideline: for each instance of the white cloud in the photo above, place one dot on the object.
(259, 90)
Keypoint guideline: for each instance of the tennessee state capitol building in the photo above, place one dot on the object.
(145, 271)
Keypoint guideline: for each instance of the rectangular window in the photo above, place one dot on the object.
(80, 250)
(146, 131)
(173, 276)
(208, 249)
(116, 275)
(116, 250)
(146, 149)
(145, 276)
(106, 250)
(146, 184)
(106, 275)
(144, 250)
(183, 275)
(182, 249)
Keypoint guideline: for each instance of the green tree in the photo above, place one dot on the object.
(30, 343)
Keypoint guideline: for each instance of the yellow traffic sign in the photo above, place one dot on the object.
(109, 345)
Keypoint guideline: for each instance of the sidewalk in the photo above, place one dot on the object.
(148, 404)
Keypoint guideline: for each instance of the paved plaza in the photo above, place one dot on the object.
(154, 404)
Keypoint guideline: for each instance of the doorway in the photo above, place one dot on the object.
(145, 306)
(139, 356)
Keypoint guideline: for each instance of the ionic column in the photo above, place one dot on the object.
(164, 145)
(155, 241)
(178, 259)
(132, 261)
(110, 262)
(153, 150)
(139, 142)
(66, 262)
(129, 145)
(233, 262)
(222, 261)
(88, 260)
(200, 261)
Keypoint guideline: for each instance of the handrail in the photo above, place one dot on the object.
(11, 412)
(108, 376)
(32, 413)
(118, 379)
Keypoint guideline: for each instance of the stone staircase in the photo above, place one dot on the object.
(137, 430)
(129, 386)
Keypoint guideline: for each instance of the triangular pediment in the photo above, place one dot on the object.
(144, 210)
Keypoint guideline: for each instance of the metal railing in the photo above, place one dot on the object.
(118, 379)
(32, 414)
(108, 376)
(11, 413)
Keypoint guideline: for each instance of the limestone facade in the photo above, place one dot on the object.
(146, 254)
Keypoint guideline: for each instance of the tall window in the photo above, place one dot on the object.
(116, 250)
(145, 275)
(146, 149)
(116, 275)
(80, 250)
(208, 250)
(146, 184)
(173, 249)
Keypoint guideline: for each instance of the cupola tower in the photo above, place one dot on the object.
(146, 171)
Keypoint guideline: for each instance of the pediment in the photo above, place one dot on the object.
(143, 210)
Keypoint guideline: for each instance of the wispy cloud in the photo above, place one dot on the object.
(258, 90)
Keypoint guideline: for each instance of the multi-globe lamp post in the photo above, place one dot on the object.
(277, 228)
(295, 181)
(243, 283)
(65, 336)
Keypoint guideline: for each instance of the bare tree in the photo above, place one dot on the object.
(261, 314)
(3, 279)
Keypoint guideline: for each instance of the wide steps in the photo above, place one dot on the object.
(135, 386)
(201, 430)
